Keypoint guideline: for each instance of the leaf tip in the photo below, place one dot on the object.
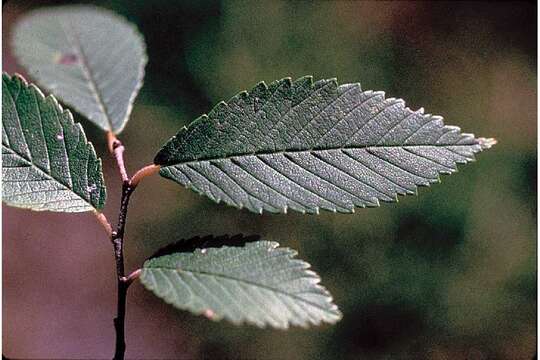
(487, 143)
(210, 314)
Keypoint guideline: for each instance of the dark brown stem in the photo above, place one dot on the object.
(117, 239)
(119, 322)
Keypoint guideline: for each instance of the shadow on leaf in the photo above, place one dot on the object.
(208, 241)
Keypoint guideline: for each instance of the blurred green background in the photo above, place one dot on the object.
(450, 274)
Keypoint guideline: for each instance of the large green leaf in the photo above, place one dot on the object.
(258, 283)
(305, 146)
(47, 164)
(90, 58)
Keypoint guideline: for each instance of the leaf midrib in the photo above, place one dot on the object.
(31, 163)
(87, 71)
(248, 282)
(229, 157)
(49, 176)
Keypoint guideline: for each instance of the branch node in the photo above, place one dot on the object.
(116, 148)
(116, 144)
(127, 280)
(134, 275)
(111, 138)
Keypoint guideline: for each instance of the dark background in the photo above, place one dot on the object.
(450, 274)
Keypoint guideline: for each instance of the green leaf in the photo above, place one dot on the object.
(47, 164)
(90, 58)
(259, 284)
(310, 146)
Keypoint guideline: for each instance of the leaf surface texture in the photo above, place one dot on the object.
(308, 145)
(90, 58)
(258, 283)
(47, 163)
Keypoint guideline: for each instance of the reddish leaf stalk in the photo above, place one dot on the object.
(144, 172)
(132, 277)
(104, 222)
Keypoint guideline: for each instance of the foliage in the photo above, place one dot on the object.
(299, 144)
(47, 164)
(92, 59)
(258, 283)
(305, 145)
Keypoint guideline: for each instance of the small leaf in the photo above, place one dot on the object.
(310, 146)
(47, 164)
(259, 283)
(92, 59)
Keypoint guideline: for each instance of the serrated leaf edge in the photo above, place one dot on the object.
(485, 143)
(273, 246)
(85, 70)
(80, 129)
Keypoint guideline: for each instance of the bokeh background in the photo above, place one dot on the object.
(450, 274)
